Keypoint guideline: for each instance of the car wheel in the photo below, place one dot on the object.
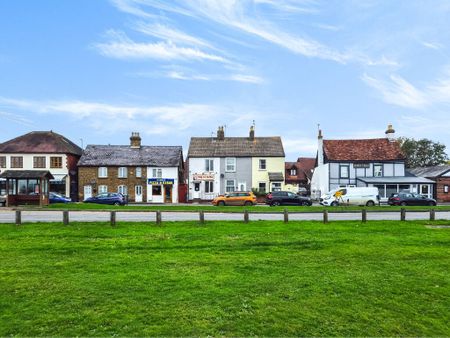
(275, 204)
(403, 204)
(334, 204)
(431, 204)
(248, 203)
(370, 204)
(116, 203)
(221, 204)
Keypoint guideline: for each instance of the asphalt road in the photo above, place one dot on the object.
(8, 216)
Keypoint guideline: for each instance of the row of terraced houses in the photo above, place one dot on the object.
(33, 164)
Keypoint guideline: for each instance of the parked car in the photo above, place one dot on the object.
(107, 198)
(276, 198)
(407, 198)
(2, 200)
(235, 198)
(368, 196)
(57, 198)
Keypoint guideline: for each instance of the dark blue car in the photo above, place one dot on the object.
(57, 198)
(111, 198)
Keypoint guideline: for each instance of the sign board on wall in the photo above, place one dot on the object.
(203, 177)
(361, 165)
(155, 181)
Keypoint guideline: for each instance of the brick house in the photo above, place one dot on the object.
(377, 162)
(150, 174)
(44, 150)
(439, 174)
(298, 174)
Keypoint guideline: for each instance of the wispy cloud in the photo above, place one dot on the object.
(106, 117)
(432, 45)
(398, 91)
(122, 47)
(16, 118)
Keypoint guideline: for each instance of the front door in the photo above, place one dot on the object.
(242, 186)
(87, 191)
(167, 194)
(138, 193)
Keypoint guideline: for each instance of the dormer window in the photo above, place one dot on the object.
(293, 172)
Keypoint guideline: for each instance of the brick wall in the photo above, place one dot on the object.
(89, 176)
(441, 195)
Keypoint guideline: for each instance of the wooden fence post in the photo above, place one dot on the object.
(158, 217)
(18, 217)
(402, 214)
(201, 215)
(325, 216)
(364, 215)
(432, 214)
(113, 218)
(286, 216)
(66, 217)
(246, 216)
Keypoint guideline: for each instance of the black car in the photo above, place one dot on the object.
(286, 198)
(407, 198)
(107, 198)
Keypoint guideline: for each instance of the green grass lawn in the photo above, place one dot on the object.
(225, 279)
(211, 208)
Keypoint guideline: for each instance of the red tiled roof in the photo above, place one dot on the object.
(304, 166)
(378, 149)
(40, 142)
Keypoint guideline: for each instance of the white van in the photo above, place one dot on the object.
(368, 196)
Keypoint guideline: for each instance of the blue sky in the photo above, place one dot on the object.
(97, 70)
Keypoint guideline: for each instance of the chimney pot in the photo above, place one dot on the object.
(220, 133)
(251, 134)
(135, 140)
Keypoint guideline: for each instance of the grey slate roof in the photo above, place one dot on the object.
(26, 174)
(434, 171)
(113, 155)
(236, 147)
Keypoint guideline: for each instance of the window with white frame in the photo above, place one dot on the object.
(276, 186)
(230, 164)
(102, 172)
(102, 189)
(344, 171)
(157, 173)
(209, 165)
(262, 164)
(138, 172)
(293, 172)
(122, 189)
(446, 189)
(123, 172)
(209, 186)
(229, 185)
(377, 170)
(262, 187)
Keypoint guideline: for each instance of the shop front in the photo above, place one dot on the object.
(161, 190)
(203, 186)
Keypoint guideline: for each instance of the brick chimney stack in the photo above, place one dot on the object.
(135, 141)
(220, 133)
(251, 134)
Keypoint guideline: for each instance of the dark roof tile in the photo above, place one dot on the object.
(379, 149)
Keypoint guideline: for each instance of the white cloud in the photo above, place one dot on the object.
(432, 45)
(106, 117)
(16, 118)
(398, 91)
(300, 145)
(122, 47)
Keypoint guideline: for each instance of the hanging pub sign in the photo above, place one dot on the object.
(361, 165)
(155, 181)
(203, 177)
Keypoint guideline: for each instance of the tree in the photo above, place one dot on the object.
(423, 152)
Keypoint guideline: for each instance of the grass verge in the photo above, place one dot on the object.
(382, 278)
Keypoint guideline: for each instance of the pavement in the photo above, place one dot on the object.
(8, 216)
